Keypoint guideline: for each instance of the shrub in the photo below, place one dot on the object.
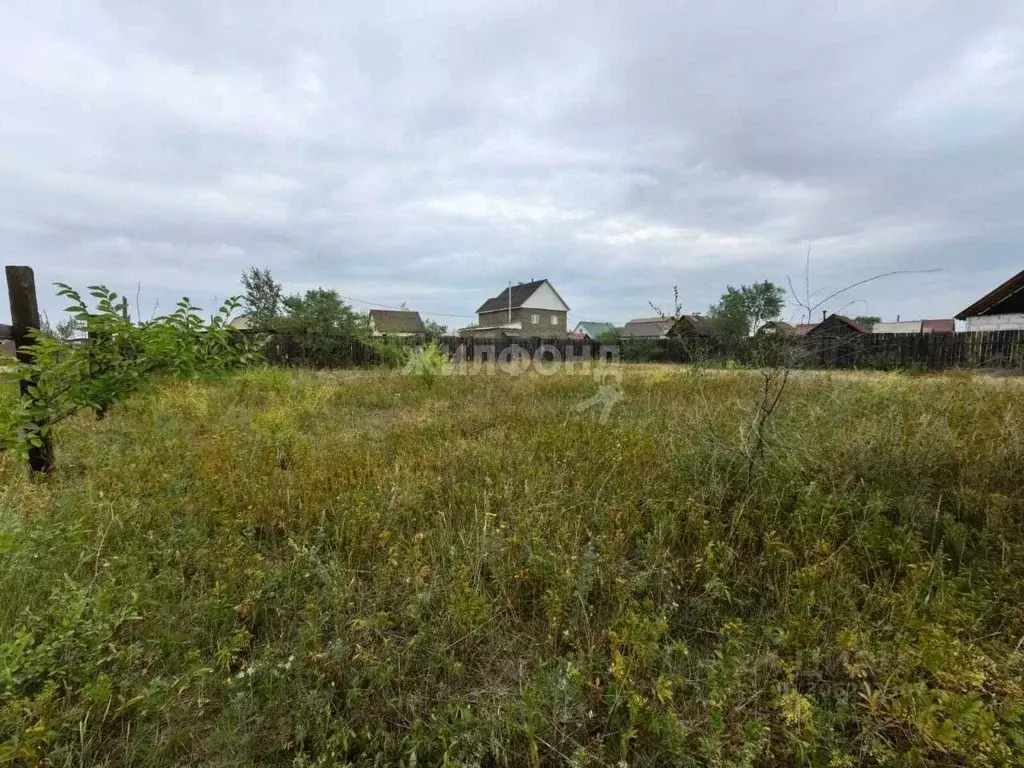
(115, 358)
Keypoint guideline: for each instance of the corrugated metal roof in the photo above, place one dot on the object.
(593, 330)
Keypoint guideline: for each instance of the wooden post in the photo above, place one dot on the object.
(21, 288)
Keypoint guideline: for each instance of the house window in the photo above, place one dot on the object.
(554, 319)
(535, 319)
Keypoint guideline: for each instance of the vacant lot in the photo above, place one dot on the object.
(298, 569)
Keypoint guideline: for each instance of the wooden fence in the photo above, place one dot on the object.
(932, 352)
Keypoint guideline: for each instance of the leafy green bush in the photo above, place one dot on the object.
(114, 359)
(390, 352)
(641, 351)
(427, 363)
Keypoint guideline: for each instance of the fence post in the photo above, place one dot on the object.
(21, 289)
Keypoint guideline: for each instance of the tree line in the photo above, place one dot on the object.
(319, 321)
(741, 311)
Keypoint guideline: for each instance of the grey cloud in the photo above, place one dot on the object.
(431, 153)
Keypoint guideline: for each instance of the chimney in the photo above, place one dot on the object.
(897, 318)
(823, 315)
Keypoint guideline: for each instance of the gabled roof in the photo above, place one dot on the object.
(990, 302)
(646, 328)
(802, 329)
(396, 321)
(517, 294)
(593, 330)
(779, 327)
(853, 324)
(693, 325)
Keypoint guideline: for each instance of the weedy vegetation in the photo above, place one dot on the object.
(291, 568)
(114, 357)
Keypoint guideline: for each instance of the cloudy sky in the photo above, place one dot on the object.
(429, 153)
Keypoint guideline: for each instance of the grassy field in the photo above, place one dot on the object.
(290, 568)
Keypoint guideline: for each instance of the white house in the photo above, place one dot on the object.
(1000, 310)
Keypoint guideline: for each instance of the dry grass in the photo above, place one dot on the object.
(288, 568)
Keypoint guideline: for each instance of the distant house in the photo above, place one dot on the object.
(903, 327)
(393, 322)
(693, 326)
(588, 330)
(913, 327)
(802, 329)
(838, 325)
(525, 310)
(646, 328)
(241, 323)
(684, 326)
(776, 328)
(1000, 310)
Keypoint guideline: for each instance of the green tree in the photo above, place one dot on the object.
(742, 310)
(262, 301)
(869, 320)
(323, 325)
(435, 330)
(113, 357)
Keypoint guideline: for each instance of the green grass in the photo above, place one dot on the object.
(289, 568)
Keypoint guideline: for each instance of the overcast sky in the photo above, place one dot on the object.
(429, 153)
